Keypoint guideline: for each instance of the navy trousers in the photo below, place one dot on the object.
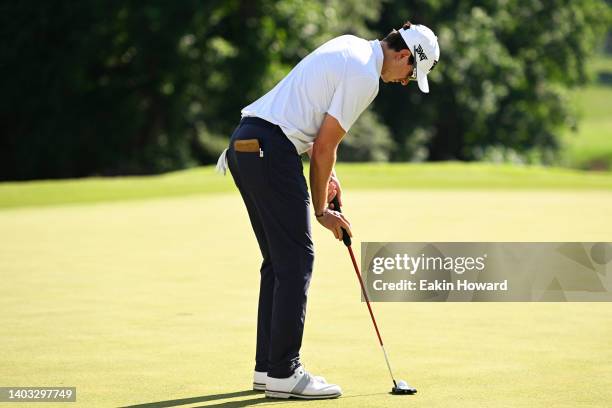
(274, 191)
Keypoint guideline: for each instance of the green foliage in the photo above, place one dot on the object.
(98, 87)
(368, 140)
(106, 88)
(501, 80)
(95, 88)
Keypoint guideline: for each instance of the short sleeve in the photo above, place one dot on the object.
(351, 97)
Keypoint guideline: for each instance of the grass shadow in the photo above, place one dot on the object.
(267, 401)
(193, 400)
(259, 400)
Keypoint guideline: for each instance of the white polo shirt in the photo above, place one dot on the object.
(341, 78)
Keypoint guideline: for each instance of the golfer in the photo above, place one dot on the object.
(309, 111)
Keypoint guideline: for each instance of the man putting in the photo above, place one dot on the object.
(309, 111)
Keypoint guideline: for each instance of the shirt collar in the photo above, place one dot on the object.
(378, 54)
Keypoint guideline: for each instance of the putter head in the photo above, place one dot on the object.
(402, 388)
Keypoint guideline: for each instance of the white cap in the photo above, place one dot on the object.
(423, 44)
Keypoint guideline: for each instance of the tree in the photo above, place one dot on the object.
(501, 81)
(97, 87)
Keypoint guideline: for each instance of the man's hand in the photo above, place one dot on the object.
(335, 222)
(334, 190)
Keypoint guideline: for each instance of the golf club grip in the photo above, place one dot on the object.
(345, 236)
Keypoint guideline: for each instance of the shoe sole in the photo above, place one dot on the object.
(285, 395)
(259, 386)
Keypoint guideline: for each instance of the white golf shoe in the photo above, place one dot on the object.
(259, 380)
(301, 385)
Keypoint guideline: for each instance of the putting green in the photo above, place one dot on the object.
(155, 300)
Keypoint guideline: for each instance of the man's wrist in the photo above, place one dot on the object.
(321, 213)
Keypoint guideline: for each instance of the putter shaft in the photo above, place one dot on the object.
(365, 295)
(347, 242)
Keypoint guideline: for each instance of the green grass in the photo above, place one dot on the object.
(155, 300)
(92, 190)
(353, 176)
(144, 289)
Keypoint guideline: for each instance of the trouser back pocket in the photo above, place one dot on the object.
(251, 163)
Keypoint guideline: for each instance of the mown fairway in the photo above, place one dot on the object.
(154, 299)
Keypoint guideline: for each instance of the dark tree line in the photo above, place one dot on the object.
(130, 87)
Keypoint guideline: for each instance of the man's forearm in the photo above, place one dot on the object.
(309, 152)
(322, 163)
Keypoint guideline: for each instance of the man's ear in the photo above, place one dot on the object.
(401, 54)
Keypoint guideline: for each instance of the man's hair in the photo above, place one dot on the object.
(394, 39)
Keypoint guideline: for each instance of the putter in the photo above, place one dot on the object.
(400, 387)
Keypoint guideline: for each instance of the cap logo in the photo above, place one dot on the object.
(421, 53)
(433, 66)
